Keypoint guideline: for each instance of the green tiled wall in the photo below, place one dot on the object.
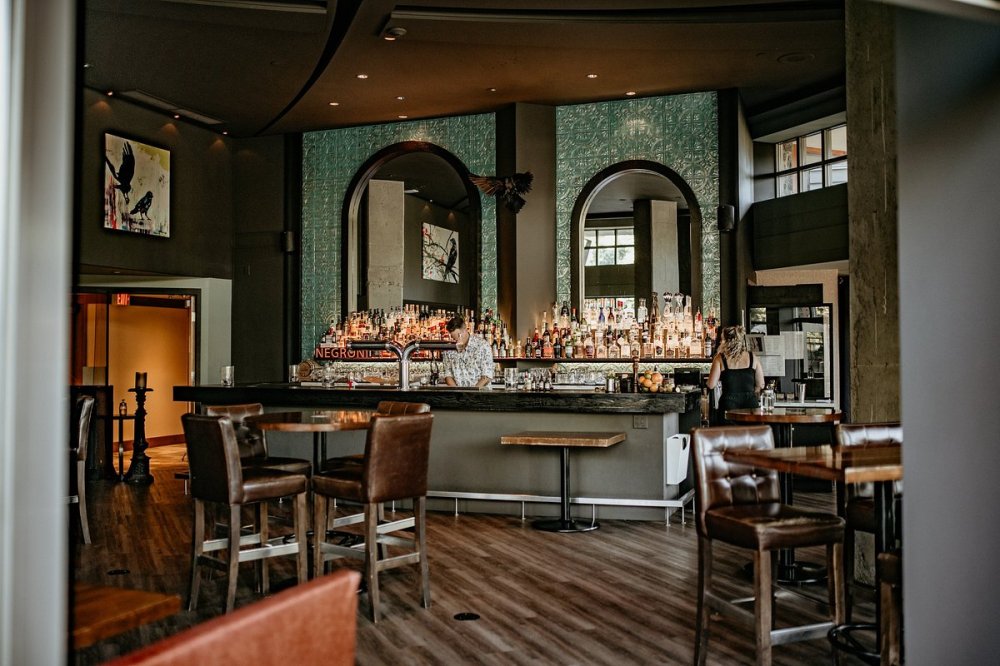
(680, 132)
(330, 160)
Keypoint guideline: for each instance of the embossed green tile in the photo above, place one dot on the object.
(331, 158)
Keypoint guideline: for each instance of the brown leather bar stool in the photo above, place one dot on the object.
(890, 570)
(217, 476)
(395, 468)
(80, 437)
(739, 505)
(385, 408)
(856, 502)
(253, 444)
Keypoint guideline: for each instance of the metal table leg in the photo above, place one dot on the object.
(565, 522)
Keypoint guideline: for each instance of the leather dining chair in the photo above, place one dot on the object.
(856, 501)
(384, 408)
(396, 456)
(80, 438)
(740, 505)
(217, 476)
(314, 623)
(253, 444)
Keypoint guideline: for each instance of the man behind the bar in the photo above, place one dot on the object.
(472, 363)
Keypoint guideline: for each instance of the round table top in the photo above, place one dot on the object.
(785, 415)
(313, 420)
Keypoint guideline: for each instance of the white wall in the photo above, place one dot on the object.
(949, 237)
(36, 185)
(216, 315)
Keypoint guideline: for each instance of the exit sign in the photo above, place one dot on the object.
(122, 299)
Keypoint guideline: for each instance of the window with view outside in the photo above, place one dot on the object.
(811, 161)
(619, 302)
(608, 247)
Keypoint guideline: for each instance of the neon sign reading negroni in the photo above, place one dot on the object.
(337, 353)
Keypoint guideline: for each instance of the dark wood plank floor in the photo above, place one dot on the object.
(624, 594)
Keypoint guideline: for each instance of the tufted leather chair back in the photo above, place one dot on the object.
(719, 483)
(869, 434)
(396, 455)
(251, 440)
(214, 458)
(391, 408)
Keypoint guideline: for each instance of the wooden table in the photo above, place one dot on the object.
(101, 611)
(881, 465)
(782, 420)
(564, 440)
(317, 421)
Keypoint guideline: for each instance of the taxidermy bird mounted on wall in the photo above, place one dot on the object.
(507, 189)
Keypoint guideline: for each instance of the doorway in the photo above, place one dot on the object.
(121, 332)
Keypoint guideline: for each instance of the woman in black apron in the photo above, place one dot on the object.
(741, 374)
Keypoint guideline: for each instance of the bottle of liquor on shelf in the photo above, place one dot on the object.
(601, 348)
(708, 346)
(579, 349)
(548, 349)
(518, 350)
(557, 348)
(588, 347)
(641, 312)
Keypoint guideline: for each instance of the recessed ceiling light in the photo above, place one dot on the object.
(394, 33)
(177, 116)
(334, 103)
(362, 76)
(111, 93)
(492, 89)
(86, 65)
(225, 132)
(630, 93)
(591, 76)
(403, 116)
(400, 98)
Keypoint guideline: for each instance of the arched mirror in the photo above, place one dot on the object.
(412, 231)
(636, 230)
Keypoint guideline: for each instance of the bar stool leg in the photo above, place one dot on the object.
(197, 548)
(371, 559)
(234, 555)
(320, 504)
(762, 609)
(704, 585)
(301, 525)
(420, 513)
(265, 583)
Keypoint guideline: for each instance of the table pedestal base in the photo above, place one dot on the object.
(564, 525)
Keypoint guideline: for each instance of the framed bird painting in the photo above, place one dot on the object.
(440, 253)
(136, 186)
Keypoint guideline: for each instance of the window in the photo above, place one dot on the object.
(609, 303)
(608, 247)
(811, 162)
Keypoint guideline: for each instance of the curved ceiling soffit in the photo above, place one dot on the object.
(343, 16)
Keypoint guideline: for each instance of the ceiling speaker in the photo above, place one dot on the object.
(727, 217)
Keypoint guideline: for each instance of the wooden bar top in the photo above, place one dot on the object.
(458, 399)
(796, 415)
(554, 438)
(313, 420)
(101, 611)
(847, 464)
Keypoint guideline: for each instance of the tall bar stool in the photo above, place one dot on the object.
(384, 408)
(253, 444)
(856, 502)
(890, 570)
(84, 412)
(395, 468)
(217, 476)
(739, 505)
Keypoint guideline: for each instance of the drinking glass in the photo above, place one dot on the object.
(228, 375)
(293, 373)
(328, 375)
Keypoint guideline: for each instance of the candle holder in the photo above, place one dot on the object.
(138, 470)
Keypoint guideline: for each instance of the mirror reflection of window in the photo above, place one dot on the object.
(608, 247)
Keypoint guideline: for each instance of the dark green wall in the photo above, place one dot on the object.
(801, 229)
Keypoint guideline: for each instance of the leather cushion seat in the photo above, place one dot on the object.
(293, 465)
(772, 525)
(343, 482)
(334, 463)
(261, 483)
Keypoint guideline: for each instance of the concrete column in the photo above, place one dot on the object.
(656, 228)
(872, 212)
(386, 212)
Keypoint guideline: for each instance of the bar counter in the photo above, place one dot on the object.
(471, 471)
(497, 400)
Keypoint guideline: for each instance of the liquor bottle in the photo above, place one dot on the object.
(495, 348)
(568, 347)
(601, 348)
(641, 312)
(502, 349)
(614, 351)
(579, 349)
(698, 323)
(708, 347)
(656, 310)
(529, 347)
(624, 350)
(548, 349)
(518, 350)
(537, 347)
(588, 347)
(711, 325)
(557, 348)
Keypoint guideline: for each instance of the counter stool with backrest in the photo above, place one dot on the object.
(384, 408)
(739, 505)
(856, 502)
(253, 444)
(217, 475)
(79, 438)
(394, 468)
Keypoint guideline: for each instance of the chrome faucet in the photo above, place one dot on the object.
(401, 353)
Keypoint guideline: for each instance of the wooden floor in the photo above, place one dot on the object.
(624, 594)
